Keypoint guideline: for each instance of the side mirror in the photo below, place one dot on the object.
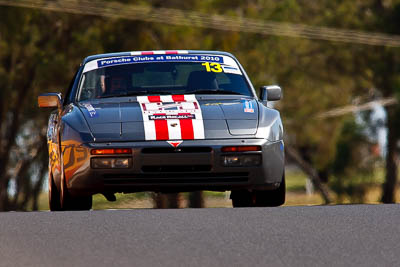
(270, 93)
(50, 100)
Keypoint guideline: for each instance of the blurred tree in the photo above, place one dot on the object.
(354, 163)
(17, 82)
(39, 52)
(36, 56)
(386, 69)
(382, 65)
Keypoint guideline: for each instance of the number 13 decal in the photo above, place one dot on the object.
(214, 67)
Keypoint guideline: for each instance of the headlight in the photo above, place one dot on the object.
(111, 163)
(241, 160)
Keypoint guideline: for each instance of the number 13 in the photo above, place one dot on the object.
(214, 67)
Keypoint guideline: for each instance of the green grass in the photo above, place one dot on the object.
(135, 200)
(295, 181)
(123, 200)
(142, 200)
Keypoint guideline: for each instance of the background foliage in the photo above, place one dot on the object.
(40, 51)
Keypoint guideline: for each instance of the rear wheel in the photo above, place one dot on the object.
(54, 195)
(69, 202)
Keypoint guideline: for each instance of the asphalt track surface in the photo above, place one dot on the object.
(359, 235)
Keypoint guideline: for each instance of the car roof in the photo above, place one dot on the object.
(130, 53)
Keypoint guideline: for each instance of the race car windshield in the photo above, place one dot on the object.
(163, 78)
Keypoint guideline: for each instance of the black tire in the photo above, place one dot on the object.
(242, 198)
(265, 198)
(54, 195)
(271, 198)
(69, 202)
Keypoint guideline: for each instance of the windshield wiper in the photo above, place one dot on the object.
(137, 93)
(108, 96)
(150, 92)
(213, 91)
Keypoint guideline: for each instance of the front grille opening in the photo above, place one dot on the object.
(166, 178)
(163, 150)
(138, 181)
(180, 168)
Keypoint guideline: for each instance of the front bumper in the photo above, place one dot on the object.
(156, 166)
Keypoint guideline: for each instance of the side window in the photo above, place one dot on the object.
(67, 98)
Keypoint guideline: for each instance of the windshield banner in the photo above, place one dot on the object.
(158, 58)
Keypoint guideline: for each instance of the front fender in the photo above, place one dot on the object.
(74, 133)
(270, 125)
(74, 126)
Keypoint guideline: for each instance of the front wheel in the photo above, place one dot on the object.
(260, 198)
(271, 198)
(54, 195)
(242, 199)
(69, 202)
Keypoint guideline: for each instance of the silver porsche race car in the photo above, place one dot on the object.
(164, 121)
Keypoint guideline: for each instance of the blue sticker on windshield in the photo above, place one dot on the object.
(229, 68)
(158, 58)
(248, 106)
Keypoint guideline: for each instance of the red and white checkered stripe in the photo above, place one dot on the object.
(159, 52)
(171, 129)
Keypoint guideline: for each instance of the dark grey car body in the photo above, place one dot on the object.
(117, 122)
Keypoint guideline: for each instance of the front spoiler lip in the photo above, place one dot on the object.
(266, 176)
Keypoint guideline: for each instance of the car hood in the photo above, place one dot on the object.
(121, 119)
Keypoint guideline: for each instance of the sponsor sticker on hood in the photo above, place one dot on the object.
(248, 106)
(90, 109)
(171, 117)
